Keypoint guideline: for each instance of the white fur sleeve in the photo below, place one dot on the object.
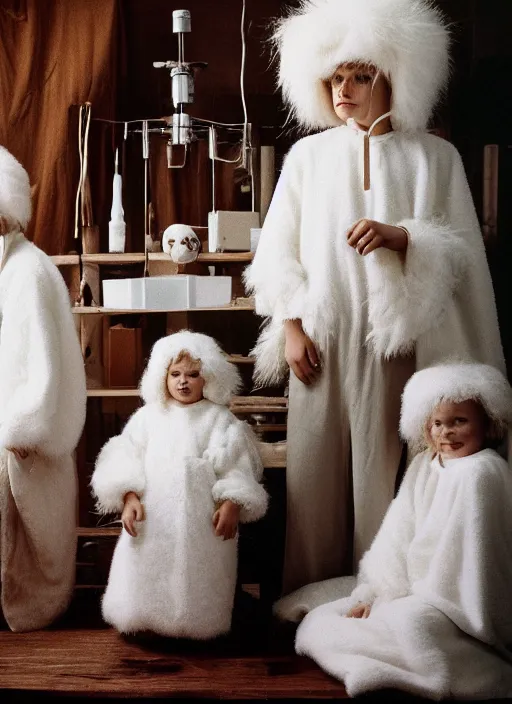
(408, 300)
(120, 466)
(276, 277)
(239, 469)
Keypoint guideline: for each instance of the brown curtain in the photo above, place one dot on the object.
(55, 55)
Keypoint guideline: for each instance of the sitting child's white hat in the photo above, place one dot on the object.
(457, 383)
(222, 380)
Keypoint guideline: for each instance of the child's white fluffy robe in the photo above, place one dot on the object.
(176, 577)
(439, 304)
(439, 578)
(42, 410)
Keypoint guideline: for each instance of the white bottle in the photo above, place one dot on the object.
(117, 225)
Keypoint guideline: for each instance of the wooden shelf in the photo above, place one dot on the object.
(66, 259)
(240, 404)
(138, 257)
(93, 310)
(99, 532)
(259, 404)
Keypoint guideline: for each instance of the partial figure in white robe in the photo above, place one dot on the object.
(370, 262)
(430, 611)
(186, 457)
(42, 413)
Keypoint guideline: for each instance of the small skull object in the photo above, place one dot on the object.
(181, 243)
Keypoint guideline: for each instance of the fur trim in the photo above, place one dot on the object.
(250, 496)
(15, 197)
(270, 367)
(119, 469)
(406, 39)
(406, 301)
(455, 382)
(221, 377)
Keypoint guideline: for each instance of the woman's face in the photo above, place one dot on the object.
(184, 381)
(458, 429)
(359, 92)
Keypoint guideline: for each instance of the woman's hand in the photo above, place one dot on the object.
(359, 611)
(133, 511)
(366, 235)
(225, 520)
(300, 352)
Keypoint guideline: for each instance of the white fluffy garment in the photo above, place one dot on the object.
(453, 382)
(406, 39)
(221, 377)
(15, 198)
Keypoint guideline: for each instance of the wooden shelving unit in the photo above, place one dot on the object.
(108, 408)
(208, 258)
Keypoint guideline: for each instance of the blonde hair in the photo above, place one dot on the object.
(185, 355)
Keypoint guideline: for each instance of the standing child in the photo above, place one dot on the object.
(431, 611)
(183, 473)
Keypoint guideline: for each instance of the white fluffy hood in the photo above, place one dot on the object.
(406, 39)
(15, 197)
(221, 376)
(457, 383)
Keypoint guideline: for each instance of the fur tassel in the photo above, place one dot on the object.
(457, 383)
(271, 367)
(406, 39)
(406, 301)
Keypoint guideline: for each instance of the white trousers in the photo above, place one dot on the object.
(343, 455)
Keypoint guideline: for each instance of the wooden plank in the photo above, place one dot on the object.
(273, 454)
(240, 404)
(66, 259)
(138, 257)
(99, 532)
(96, 310)
(98, 662)
(269, 428)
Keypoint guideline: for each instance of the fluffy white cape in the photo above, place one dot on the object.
(439, 304)
(438, 576)
(406, 39)
(42, 409)
(176, 578)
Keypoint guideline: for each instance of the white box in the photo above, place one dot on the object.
(230, 230)
(179, 292)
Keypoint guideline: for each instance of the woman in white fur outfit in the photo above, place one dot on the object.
(183, 473)
(370, 264)
(42, 413)
(431, 610)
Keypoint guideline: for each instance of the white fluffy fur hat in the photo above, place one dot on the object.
(15, 197)
(457, 383)
(406, 39)
(221, 376)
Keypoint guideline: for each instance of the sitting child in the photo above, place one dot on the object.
(183, 473)
(431, 611)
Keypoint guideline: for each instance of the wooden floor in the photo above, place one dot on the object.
(81, 657)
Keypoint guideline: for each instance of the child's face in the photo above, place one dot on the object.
(184, 381)
(356, 93)
(457, 429)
